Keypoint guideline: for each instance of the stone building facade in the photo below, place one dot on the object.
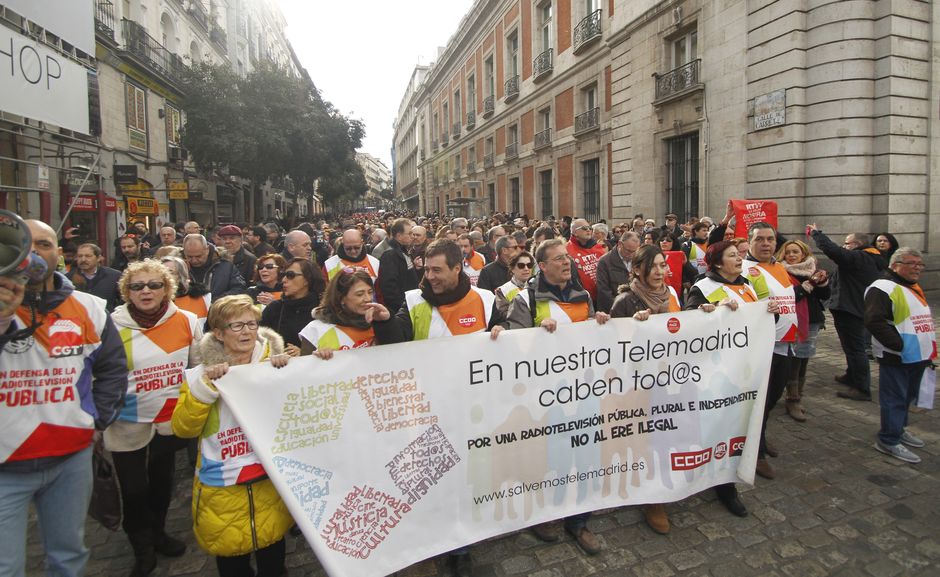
(406, 150)
(829, 108)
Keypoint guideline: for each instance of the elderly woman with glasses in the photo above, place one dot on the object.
(160, 341)
(343, 320)
(267, 285)
(236, 510)
(300, 294)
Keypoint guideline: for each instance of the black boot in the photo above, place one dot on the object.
(145, 558)
(168, 546)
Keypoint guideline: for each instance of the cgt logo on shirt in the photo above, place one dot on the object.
(65, 339)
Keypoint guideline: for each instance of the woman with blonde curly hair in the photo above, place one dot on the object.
(236, 509)
(811, 285)
(159, 340)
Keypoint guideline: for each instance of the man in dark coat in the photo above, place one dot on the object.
(89, 276)
(242, 258)
(209, 270)
(497, 273)
(614, 268)
(859, 265)
(397, 273)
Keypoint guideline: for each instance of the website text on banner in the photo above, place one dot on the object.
(393, 454)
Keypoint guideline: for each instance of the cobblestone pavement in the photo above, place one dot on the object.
(837, 507)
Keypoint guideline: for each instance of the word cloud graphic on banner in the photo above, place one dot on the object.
(393, 454)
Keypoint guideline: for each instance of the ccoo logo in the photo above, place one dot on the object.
(467, 321)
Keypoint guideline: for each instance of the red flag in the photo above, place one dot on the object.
(674, 260)
(747, 212)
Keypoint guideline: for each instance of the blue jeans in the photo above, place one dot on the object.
(61, 494)
(852, 336)
(897, 389)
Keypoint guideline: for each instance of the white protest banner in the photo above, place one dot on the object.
(42, 84)
(393, 454)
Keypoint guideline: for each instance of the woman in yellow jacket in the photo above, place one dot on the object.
(236, 509)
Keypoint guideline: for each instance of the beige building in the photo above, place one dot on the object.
(611, 108)
(407, 151)
(378, 177)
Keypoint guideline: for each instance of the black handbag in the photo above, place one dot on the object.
(105, 506)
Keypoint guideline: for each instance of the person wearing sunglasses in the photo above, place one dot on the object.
(301, 286)
(522, 266)
(343, 320)
(236, 510)
(160, 342)
(904, 342)
(350, 252)
(267, 283)
(586, 253)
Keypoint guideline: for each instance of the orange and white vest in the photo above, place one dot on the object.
(337, 338)
(697, 256)
(46, 381)
(199, 306)
(470, 314)
(473, 265)
(716, 292)
(156, 360)
(913, 321)
(334, 265)
(771, 281)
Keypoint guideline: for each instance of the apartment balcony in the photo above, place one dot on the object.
(104, 19)
(456, 172)
(471, 167)
(512, 89)
(421, 155)
(543, 65)
(587, 121)
(435, 180)
(488, 160)
(587, 31)
(679, 82)
(489, 105)
(150, 53)
(512, 150)
(434, 145)
(471, 119)
(445, 140)
(199, 15)
(543, 139)
(456, 130)
(219, 38)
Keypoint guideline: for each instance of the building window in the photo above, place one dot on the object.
(471, 94)
(545, 25)
(136, 101)
(589, 97)
(545, 188)
(488, 79)
(685, 49)
(545, 118)
(173, 124)
(514, 195)
(491, 192)
(512, 54)
(458, 117)
(591, 171)
(682, 175)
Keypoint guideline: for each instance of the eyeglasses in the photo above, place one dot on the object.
(267, 266)
(352, 247)
(239, 326)
(582, 227)
(153, 285)
(912, 263)
(291, 274)
(559, 258)
(524, 265)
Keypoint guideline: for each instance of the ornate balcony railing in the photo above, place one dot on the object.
(678, 80)
(199, 15)
(471, 119)
(489, 105)
(587, 120)
(219, 38)
(488, 160)
(456, 130)
(445, 139)
(512, 88)
(471, 166)
(543, 138)
(543, 64)
(588, 29)
(151, 53)
(104, 18)
(512, 150)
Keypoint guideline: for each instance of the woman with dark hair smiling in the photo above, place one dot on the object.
(344, 319)
(267, 286)
(299, 297)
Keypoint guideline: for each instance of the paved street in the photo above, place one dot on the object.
(837, 508)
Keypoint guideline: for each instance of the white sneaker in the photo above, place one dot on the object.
(911, 441)
(898, 451)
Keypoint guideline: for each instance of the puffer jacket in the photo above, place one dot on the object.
(238, 519)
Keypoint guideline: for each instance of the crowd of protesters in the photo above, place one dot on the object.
(182, 297)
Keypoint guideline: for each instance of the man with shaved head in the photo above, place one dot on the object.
(351, 256)
(419, 243)
(48, 328)
(583, 248)
(168, 236)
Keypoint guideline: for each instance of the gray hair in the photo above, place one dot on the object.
(293, 237)
(95, 249)
(196, 238)
(503, 242)
(903, 252)
(600, 227)
(175, 263)
(492, 231)
(459, 222)
(475, 235)
(628, 235)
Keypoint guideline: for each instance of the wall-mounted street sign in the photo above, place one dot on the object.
(125, 174)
